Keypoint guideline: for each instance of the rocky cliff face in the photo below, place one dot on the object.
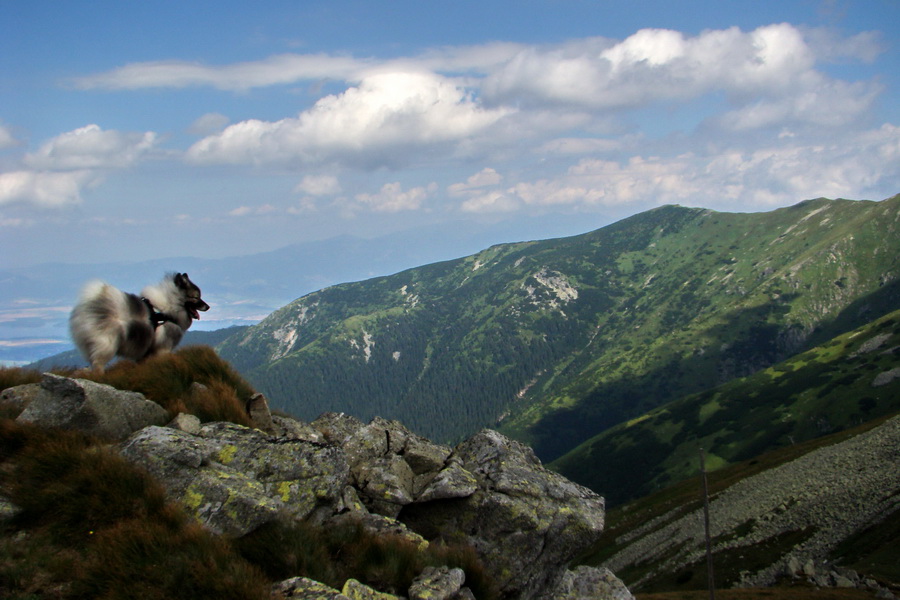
(526, 523)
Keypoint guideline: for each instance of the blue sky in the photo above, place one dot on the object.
(135, 130)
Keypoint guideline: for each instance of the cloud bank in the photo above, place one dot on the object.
(768, 124)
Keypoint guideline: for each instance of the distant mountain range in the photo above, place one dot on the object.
(556, 341)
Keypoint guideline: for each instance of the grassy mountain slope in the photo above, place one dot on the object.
(849, 380)
(648, 556)
(557, 340)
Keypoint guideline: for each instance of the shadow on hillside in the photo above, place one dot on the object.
(750, 340)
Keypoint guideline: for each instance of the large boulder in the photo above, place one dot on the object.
(93, 408)
(526, 522)
(233, 478)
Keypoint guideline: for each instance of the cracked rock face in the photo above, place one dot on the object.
(527, 523)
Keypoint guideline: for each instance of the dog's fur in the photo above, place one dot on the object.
(108, 322)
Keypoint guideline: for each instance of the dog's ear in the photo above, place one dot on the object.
(180, 280)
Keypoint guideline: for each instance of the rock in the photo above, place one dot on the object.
(21, 395)
(92, 408)
(301, 588)
(7, 509)
(233, 478)
(886, 377)
(389, 464)
(381, 525)
(258, 409)
(355, 590)
(292, 429)
(185, 422)
(585, 583)
(437, 583)
(336, 427)
(525, 522)
(454, 481)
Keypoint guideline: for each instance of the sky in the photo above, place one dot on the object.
(143, 130)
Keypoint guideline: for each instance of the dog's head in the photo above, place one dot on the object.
(192, 300)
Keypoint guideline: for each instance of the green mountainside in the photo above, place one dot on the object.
(555, 341)
(845, 382)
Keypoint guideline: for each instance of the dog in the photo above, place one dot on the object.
(108, 322)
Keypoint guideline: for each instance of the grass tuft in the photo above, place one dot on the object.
(386, 562)
(91, 525)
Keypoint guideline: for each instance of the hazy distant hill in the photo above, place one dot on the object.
(558, 340)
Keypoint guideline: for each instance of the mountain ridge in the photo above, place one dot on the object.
(555, 340)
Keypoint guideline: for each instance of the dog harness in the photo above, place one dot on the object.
(157, 317)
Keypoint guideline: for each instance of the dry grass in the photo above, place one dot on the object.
(193, 380)
(91, 525)
(386, 562)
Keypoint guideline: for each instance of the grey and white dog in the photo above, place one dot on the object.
(108, 322)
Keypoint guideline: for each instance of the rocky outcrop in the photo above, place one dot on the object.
(93, 408)
(233, 478)
(823, 498)
(525, 523)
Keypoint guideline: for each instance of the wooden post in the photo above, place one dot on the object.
(710, 579)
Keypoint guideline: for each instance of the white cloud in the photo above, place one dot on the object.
(770, 69)
(319, 185)
(392, 198)
(274, 70)
(56, 173)
(91, 147)
(389, 118)
(45, 189)
(492, 202)
(481, 179)
(245, 211)
(744, 179)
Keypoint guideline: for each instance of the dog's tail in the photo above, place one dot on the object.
(96, 323)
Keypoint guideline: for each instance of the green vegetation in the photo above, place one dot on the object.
(826, 389)
(556, 341)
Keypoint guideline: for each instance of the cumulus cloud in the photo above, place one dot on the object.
(56, 173)
(393, 198)
(481, 179)
(491, 202)
(319, 185)
(770, 69)
(384, 120)
(734, 178)
(91, 147)
(45, 189)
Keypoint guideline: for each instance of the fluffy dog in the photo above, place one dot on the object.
(108, 322)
